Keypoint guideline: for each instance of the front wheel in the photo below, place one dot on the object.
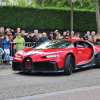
(69, 65)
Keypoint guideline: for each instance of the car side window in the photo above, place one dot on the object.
(82, 45)
(86, 45)
(79, 45)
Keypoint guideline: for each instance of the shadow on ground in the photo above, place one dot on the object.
(54, 74)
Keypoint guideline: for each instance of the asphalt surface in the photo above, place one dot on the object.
(19, 86)
(85, 93)
(5, 66)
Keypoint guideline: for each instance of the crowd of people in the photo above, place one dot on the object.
(13, 40)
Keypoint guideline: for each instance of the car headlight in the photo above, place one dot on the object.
(51, 56)
(18, 56)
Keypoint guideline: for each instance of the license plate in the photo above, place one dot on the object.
(28, 65)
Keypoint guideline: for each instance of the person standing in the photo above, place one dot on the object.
(93, 34)
(43, 37)
(19, 41)
(6, 48)
(1, 48)
(51, 36)
(1, 38)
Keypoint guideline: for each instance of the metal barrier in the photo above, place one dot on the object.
(6, 54)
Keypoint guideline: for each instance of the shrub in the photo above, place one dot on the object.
(46, 19)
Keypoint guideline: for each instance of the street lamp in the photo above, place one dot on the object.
(72, 15)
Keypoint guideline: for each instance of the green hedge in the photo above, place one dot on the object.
(46, 19)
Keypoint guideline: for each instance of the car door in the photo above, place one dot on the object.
(79, 52)
(83, 52)
(87, 52)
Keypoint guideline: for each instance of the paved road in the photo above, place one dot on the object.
(18, 85)
(4, 66)
(85, 93)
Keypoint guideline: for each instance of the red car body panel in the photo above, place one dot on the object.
(97, 48)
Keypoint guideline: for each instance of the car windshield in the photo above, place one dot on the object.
(53, 44)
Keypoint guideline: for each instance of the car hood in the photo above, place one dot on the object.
(31, 51)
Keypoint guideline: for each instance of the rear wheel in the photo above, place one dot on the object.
(69, 65)
(97, 60)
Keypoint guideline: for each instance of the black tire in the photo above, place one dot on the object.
(69, 65)
(26, 72)
(97, 60)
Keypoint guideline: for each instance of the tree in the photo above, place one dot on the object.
(98, 16)
(90, 3)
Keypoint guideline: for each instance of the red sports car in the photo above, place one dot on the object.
(57, 56)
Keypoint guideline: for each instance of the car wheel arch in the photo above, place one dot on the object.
(97, 59)
(68, 64)
(73, 57)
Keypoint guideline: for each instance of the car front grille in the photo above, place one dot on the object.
(44, 66)
(27, 63)
(38, 66)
